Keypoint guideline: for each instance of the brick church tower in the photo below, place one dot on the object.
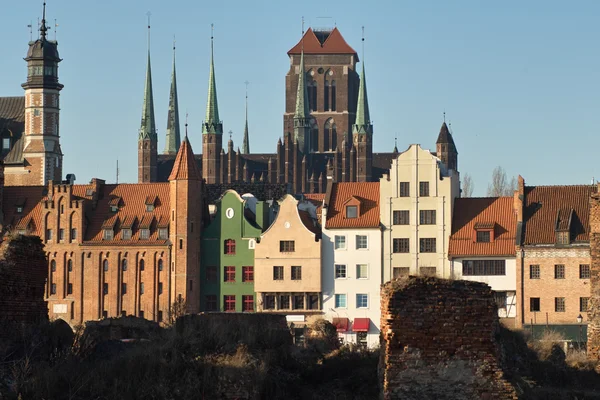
(147, 138)
(41, 148)
(362, 133)
(212, 129)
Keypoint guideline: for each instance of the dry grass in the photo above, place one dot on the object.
(547, 344)
(578, 359)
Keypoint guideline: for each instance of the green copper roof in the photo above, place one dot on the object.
(148, 127)
(173, 139)
(302, 94)
(246, 143)
(363, 120)
(212, 123)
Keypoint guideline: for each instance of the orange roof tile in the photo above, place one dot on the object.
(333, 43)
(542, 212)
(368, 195)
(30, 198)
(471, 213)
(185, 166)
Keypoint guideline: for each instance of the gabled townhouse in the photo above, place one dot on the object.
(482, 248)
(287, 263)
(416, 201)
(228, 243)
(351, 261)
(553, 257)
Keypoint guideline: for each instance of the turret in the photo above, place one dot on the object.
(446, 149)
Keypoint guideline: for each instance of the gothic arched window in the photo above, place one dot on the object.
(314, 136)
(330, 135)
(333, 93)
(105, 265)
(124, 265)
(326, 96)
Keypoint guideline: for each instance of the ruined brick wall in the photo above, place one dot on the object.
(23, 273)
(593, 314)
(438, 341)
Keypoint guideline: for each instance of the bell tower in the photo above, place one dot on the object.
(41, 148)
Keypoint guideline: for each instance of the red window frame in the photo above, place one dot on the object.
(229, 246)
(229, 303)
(248, 274)
(248, 303)
(229, 275)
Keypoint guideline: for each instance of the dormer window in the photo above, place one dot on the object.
(89, 192)
(163, 233)
(126, 234)
(108, 234)
(149, 207)
(483, 236)
(150, 203)
(19, 209)
(562, 238)
(114, 208)
(144, 234)
(484, 232)
(351, 212)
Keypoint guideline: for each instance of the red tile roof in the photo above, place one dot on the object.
(368, 195)
(547, 207)
(185, 166)
(333, 43)
(483, 213)
(30, 198)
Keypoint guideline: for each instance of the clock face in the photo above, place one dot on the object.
(229, 213)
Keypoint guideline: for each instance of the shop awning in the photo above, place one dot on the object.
(341, 324)
(361, 325)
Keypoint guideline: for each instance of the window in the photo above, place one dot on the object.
(400, 271)
(427, 245)
(361, 242)
(484, 267)
(19, 209)
(534, 272)
(48, 234)
(191, 285)
(160, 287)
(559, 271)
(141, 287)
(284, 302)
(278, 273)
(149, 207)
(105, 288)
(362, 271)
(211, 273)
(584, 271)
(269, 302)
(124, 265)
(583, 304)
(144, 233)
(53, 288)
(141, 313)
(287, 246)
(107, 234)
(340, 271)
(160, 265)
(69, 288)
(404, 189)
(105, 265)
(89, 192)
(351, 211)
(559, 304)
(163, 233)
(562, 237)
(483, 236)
(229, 275)
(427, 217)
(362, 300)
(401, 245)
(6, 144)
(500, 298)
(296, 272)
(340, 242)
(313, 302)
(123, 288)
(126, 233)
(114, 208)
(70, 265)
(340, 301)
(402, 217)
(428, 271)
(105, 314)
(180, 244)
(248, 303)
(211, 302)
(142, 265)
(424, 189)
(248, 274)
(61, 234)
(299, 302)
(53, 266)
(229, 246)
(534, 304)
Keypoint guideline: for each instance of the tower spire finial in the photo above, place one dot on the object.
(43, 28)
(246, 141)
(444, 116)
(186, 124)
(212, 123)
(363, 43)
(148, 14)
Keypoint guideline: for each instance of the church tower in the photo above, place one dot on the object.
(147, 138)
(173, 140)
(246, 142)
(212, 129)
(446, 149)
(41, 147)
(362, 132)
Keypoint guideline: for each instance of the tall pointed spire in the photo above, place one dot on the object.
(363, 120)
(43, 28)
(246, 142)
(173, 139)
(302, 110)
(302, 113)
(212, 123)
(148, 126)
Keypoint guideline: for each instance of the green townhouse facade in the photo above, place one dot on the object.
(228, 242)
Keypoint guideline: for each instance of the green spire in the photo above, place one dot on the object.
(302, 110)
(212, 123)
(148, 127)
(363, 121)
(173, 136)
(246, 143)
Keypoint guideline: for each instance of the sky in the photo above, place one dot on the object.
(518, 81)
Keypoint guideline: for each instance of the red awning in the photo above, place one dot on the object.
(341, 324)
(361, 325)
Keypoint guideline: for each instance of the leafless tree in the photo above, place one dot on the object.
(500, 185)
(467, 186)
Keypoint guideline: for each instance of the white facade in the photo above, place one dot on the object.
(421, 190)
(505, 285)
(356, 284)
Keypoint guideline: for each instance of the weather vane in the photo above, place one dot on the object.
(230, 134)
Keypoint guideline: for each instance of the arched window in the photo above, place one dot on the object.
(53, 266)
(326, 96)
(142, 265)
(70, 266)
(332, 108)
(229, 246)
(314, 136)
(330, 135)
(124, 265)
(160, 265)
(314, 96)
(105, 265)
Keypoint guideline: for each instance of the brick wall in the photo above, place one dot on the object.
(23, 275)
(593, 314)
(437, 341)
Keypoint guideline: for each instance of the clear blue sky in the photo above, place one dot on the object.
(519, 81)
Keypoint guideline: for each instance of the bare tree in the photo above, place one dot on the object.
(500, 185)
(467, 186)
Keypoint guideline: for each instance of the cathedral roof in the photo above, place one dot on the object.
(323, 42)
(185, 167)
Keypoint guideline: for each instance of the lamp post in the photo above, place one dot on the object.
(579, 321)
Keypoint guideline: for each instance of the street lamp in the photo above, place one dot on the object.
(579, 321)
